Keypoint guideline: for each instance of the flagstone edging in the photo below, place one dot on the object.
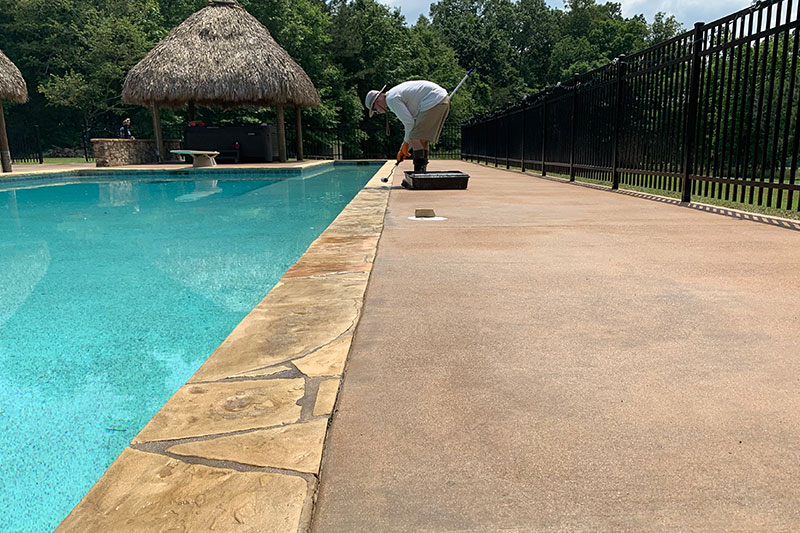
(239, 446)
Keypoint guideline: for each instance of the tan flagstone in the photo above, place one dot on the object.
(354, 250)
(342, 287)
(148, 492)
(328, 360)
(304, 269)
(354, 227)
(213, 408)
(273, 334)
(293, 447)
(264, 372)
(326, 397)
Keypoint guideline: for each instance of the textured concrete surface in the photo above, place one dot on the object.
(560, 358)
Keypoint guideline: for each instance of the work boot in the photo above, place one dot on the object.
(420, 161)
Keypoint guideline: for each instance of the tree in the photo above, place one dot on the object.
(663, 28)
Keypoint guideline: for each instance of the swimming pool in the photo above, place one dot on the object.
(113, 293)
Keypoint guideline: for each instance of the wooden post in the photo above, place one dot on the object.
(299, 114)
(162, 155)
(5, 153)
(281, 135)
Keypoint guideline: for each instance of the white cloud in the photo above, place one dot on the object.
(686, 11)
(411, 9)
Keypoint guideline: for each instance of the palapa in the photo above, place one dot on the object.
(220, 56)
(13, 88)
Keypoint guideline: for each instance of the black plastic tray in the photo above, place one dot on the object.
(439, 179)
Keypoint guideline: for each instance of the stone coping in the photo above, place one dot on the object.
(174, 172)
(239, 446)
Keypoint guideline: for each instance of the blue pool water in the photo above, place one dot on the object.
(112, 294)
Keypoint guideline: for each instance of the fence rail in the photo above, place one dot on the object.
(25, 145)
(368, 141)
(710, 114)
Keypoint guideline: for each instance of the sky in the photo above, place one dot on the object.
(686, 11)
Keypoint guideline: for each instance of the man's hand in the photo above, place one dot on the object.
(403, 153)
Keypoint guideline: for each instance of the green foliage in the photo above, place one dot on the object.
(74, 54)
(663, 28)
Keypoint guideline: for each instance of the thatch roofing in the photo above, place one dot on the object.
(220, 56)
(12, 84)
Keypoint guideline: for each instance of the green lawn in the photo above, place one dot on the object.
(52, 160)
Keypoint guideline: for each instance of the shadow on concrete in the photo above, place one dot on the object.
(706, 208)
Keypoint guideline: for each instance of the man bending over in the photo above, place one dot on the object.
(422, 107)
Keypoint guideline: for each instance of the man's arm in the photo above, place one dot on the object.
(399, 108)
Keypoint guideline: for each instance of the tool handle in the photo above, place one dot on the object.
(461, 82)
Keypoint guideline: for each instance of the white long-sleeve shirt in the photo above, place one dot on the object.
(411, 98)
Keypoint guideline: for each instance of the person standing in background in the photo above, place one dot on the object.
(125, 130)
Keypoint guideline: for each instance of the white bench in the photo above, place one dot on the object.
(200, 158)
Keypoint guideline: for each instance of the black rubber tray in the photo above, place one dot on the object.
(439, 179)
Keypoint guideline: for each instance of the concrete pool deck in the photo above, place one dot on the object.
(551, 357)
(561, 358)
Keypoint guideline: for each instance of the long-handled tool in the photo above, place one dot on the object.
(401, 156)
(404, 151)
(461, 82)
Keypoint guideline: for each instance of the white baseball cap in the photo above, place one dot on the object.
(369, 101)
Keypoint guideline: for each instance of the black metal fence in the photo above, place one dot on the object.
(25, 144)
(367, 141)
(712, 113)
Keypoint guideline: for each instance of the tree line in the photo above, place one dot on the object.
(74, 54)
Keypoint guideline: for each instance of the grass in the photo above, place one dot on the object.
(56, 160)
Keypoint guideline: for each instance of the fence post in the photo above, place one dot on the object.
(496, 136)
(38, 144)
(544, 133)
(572, 131)
(462, 142)
(508, 140)
(691, 114)
(618, 122)
(522, 137)
(84, 136)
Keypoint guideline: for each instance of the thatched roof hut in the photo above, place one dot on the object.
(12, 85)
(13, 88)
(220, 56)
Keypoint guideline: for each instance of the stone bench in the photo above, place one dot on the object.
(200, 158)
